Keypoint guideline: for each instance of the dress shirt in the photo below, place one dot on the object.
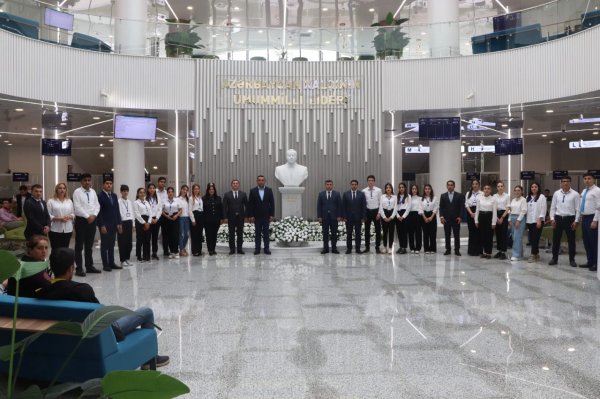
(402, 203)
(59, 209)
(126, 209)
(196, 204)
(185, 207)
(536, 210)
(155, 207)
(162, 195)
(85, 203)
(472, 200)
(518, 207)
(7, 216)
(415, 204)
(171, 206)
(429, 204)
(261, 193)
(503, 201)
(373, 196)
(592, 201)
(486, 204)
(565, 204)
(141, 208)
(387, 204)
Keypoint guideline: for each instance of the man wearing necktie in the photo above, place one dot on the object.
(235, 204)
(86, 206)
(109, 223)
(590, 213)
(261, 209)
(329, 213)
(354, 205)
(36, 213)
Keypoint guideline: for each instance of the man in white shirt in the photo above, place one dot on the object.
(373, 197)
(590, 200)
(564, 215)
(161, 193)
(86, 206)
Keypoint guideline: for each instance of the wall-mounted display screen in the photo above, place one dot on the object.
(135, 127)
(57, 19)
(58, 147)
(509, 146)
(20, 176)
(56, 120)
(439, 128)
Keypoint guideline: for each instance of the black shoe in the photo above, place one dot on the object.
(116, 267)
(324, 251)
(403, 251)
(80, 273)
(367, 250)
(240, 251)
(232, 252)
(502, 256)
(140, 260)
(585, 265)
(377, 250)
(257, 252)
(457, 253)
(106, 269)
(159, 362)
(553, 262)
(358, 251)
(92, 269)
(448, 252)
(572, 263)
(348, 251)
(498, 255)
(211, 253)
(593, 268)
(155, 257)
(267, 252)
(335, 251)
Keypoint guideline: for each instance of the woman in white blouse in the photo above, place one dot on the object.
(142, 213)
(197, 219)
(184, 220)
(486, 215)
(124, 237)
(474, 246)
(60, 208)
(387, 213)
(156, 210)
(536, 214)
(503, 201)
(402, 205)
(413, 222)
(518, 210)
(170, 224)
(429, 210)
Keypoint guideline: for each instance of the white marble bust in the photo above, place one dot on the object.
(291, 174)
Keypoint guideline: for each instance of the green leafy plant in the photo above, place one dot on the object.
(181, 42)
(390, 40)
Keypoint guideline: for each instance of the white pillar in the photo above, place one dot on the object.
(443, 31)
(130, 38)
(444, 164)
(177, 156)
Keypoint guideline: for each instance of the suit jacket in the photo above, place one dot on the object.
(20, 204)
(213, 208)
(261, 209)
(354, 209)
(37, 218)
(329, 208)
(235, 207)
(109, 215)
(451, 210)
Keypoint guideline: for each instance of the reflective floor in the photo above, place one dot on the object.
(298, 324)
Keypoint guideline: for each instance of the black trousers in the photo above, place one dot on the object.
(142, 240)
(107, 245)
(474, 247)
(353, 226)
(211, 229)
(534, 237)
(486, 232)
(330, 232)
(59, 240)
(170, 233)
(563, 223)
(84, 241)
(372, 218)
(429, 233)
(452, 226)
(388, 229)
(261, 229)
(402, 231)
(125, 239)
(236, 232)
(413, 224)
(163, 221)
(197, 233)
(154, 230)
(502, 232)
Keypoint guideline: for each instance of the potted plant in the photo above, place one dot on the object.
(390, 40)
(182, 41)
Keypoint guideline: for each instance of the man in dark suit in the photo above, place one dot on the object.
(451, 207)
(354, 212)
(20, 200)
(36, 213)
(261, 209)
(329, 213)
(109, 222)
(235, 203)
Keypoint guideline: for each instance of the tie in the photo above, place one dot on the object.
(328, 195)
(371, 190)
(42, 205)
(235, 195)
(88, 196)
(109, 198)
(353, 195)
(583, 200)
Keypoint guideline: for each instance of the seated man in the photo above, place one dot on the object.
(8, 220)
(62, 263)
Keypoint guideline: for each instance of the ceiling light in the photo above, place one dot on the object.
(95, 118)
(236, 8)
(571, 350)
(110, 141)
(190, 8)
(504, 125)
(545, 368)
(309, 31)
(595, 133)
(241, 41)
(411, 141)
(564, 139)
(155, 167)
(325, 9)
(101, 155)
(19, 109)
(6, 141)
(9, 144)
(214, 35)
(529, 129)
(596, 124)
(551, 142)
(549, 111)
(327, 42)
(101, 145)
(63, 123)
(371, 10)
(464, 154)
(162, 143)
(423, 33)
(260, 31)
(349, 34)
(544, 135)
(34, 128)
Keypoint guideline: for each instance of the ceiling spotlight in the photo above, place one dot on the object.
(260, 31)
(101, 145)
(595, 133)
(551, 142)
(95, 118)
(564, 139)
(34, 128)
(371, 10)
(162, 143)
(549, 111)
(529, 129)
(190, 8)
(110, 140)
(19, 109)
(101, 155)
(504, 125)
(236, 8)
(544, 135)
(155, 167)
(325, 9)
(423, 33)
(571, 349)
(411, 141)
(9, 144)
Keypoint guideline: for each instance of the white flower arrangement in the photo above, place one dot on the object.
(291, 229)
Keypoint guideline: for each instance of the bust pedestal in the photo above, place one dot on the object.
(291, 201)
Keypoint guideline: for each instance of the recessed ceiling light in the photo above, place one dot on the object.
(464, 154)
(190, 8)
(564, 139)
(571, 350)
(549, 111)
(595, 133)
(112, 169)
(529, 129)
(545, 368)
(34, 128)
(63, 123)
(111, 140)
(6, 141)
(411, 141)
(309, 31)
(551, 142)
(371, 10)
(349, 34)
(95, 118)
(327, 42)
(596, 124)
(19, 109)
(325, 9)
(241, 41)
(236, 8)
(155, 167)
(9, 144)
(101, 145)
(423, 33)
(162, 143)
(504, 125)
(260, 31)
(544, 135)
(101, 155)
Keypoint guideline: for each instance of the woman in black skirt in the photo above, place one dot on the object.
(213, 213)
(402, 205)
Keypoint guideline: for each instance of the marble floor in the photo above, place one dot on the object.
(298, 324)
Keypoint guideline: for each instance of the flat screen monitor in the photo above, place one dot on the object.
(509, 146)
(57, 19)
(135, 127)
(559, 174)
(20, 176)
(74, 177)
(58, 147)
(56, 120)
(439, 128)
(527, 175)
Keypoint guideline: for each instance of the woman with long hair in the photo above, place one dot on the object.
(155, 212)
(518, 210)
(37, 251)
(213, 215)
(387, 213)
(170, 224)
(429, 209)
(197, 219)
(124, 238)
(486, 217)
(474, 246)
(62, 214)
(402, 206)
(142, 213)
(413, 222)
(503, 206)
(536, 214)
(184, 220)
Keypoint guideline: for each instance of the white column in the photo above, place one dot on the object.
(444, 164)
(130, 38)
(443, 31)
(177, 156)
